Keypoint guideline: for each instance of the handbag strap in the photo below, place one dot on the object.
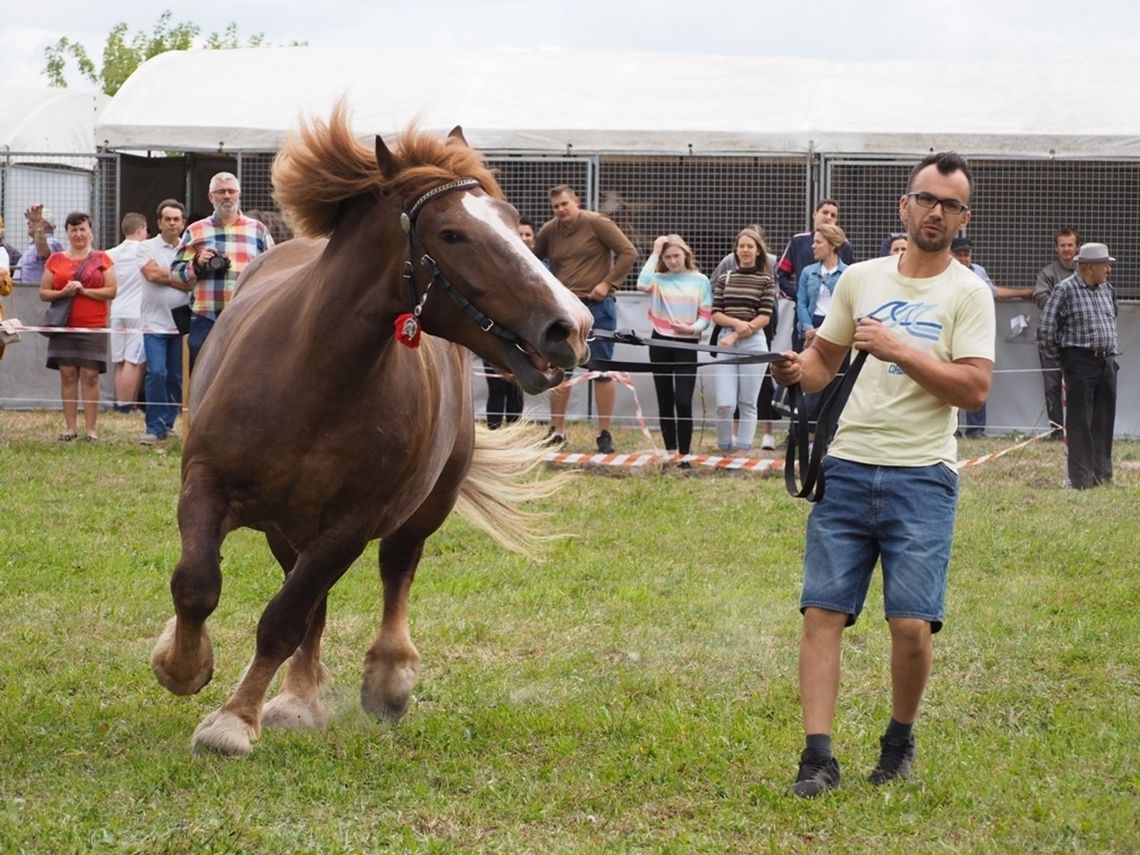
(82, 268)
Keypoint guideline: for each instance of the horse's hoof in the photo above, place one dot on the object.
(384, 711)
(184, 678)
(385, 692)
(223, 733)
(292, 712)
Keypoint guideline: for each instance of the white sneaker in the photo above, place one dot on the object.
(768, 442)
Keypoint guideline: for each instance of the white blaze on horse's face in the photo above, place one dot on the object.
(482, 208)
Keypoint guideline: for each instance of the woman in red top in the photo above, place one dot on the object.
(85, 275)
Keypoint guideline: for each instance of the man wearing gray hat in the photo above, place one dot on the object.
(1078, 325)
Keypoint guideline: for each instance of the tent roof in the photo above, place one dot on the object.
(554, 102)
(46, 119)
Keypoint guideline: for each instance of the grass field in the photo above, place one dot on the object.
(634, 690)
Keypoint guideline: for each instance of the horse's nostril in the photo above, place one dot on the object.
(557, 333)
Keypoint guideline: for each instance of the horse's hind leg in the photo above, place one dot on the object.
(392, 663)
(297, 705)
(183, 658)
(237, 723)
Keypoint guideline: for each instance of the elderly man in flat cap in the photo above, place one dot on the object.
(1078, 324)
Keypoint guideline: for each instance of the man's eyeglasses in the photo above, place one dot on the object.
(950, 206)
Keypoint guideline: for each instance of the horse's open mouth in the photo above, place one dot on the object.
(531, 370)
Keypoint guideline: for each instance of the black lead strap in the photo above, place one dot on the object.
(798, 454)
(731, 355)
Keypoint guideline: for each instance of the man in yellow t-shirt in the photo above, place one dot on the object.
(927, 325)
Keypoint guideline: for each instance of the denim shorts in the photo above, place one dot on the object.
(903, 514)
(605, 318)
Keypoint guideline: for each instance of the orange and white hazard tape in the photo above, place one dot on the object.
(645, 458)
(624, 379)
(986, 458)
(762, 465)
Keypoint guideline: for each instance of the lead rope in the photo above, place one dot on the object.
(809, 463)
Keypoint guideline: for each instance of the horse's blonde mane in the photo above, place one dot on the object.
(322, 164)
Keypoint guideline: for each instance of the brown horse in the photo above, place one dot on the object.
(315, 425)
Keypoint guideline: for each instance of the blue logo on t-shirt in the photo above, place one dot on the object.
(907, 316)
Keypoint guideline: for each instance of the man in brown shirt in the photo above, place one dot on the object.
(591, 257)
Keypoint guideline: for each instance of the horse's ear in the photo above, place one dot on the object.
(457, 134)
(385, 158)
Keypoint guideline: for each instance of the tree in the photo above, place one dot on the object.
(124, 52)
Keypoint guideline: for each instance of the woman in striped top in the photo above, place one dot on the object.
(680, 310)
(743, 301)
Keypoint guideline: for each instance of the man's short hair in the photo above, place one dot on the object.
(948, 162)
(562, 188)
(1067, 231)
(526, 221)
(823, 202)
(222, 177)
(132, 222)
(170, 203)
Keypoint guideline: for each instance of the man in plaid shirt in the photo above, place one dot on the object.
(212, 254)
(1078, 325)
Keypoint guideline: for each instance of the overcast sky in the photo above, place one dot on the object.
(945, 33)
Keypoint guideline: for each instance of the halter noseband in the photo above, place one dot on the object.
(408, 324)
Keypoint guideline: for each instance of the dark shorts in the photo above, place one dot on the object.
(901, 514)
(82, 350)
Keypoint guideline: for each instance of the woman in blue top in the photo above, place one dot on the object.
(681, 309)
(813, 299)
(817, 281)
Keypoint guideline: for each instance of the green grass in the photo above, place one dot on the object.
(635, 690)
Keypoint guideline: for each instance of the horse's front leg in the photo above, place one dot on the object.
(297, 704)
(183, 658)
(392, 663)
(233, 727)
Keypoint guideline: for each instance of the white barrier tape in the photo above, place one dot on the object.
(14, 325)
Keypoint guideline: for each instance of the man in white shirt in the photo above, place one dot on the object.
(126, 337)
(162, 297)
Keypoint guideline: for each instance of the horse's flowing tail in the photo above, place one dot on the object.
(502, 479)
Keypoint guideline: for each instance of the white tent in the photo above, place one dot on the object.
(551, 101)
(49, 120)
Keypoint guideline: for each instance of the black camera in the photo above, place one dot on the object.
(216, 264)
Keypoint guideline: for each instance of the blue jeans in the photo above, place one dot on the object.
(903, 514)
(737, 389)
(200, 327)
(163, 387)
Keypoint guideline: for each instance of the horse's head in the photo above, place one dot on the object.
(479, 285)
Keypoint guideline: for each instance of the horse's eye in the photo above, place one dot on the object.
(450, 236)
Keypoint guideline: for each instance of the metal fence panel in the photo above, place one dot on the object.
(1017, 207)
(63, 183)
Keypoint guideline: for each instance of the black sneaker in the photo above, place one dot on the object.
(817, 773)
(554, 440)
(605, 443)
(895, 759)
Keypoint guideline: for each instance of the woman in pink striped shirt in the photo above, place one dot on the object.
(680, 309)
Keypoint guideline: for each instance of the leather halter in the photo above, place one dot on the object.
(407, 222)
